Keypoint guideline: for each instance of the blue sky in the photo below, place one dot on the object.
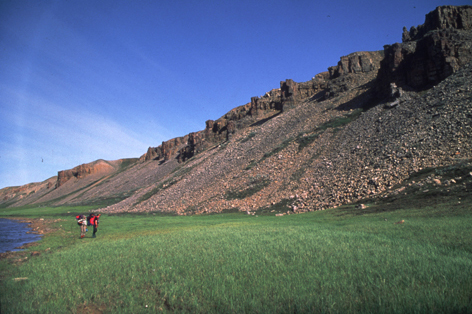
(87, 80)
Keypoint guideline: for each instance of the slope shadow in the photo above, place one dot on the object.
(318, 96)
(365, 101)
(261, 122)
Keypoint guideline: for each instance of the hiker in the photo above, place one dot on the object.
(92, 220)
(82, 222)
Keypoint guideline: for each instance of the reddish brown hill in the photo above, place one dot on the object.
(26, 194)
(97, 167)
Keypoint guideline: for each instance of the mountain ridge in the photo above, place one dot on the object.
(352, 132)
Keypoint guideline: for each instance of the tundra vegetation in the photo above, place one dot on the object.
(351, 259)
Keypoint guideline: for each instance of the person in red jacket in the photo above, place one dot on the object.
(93, 221)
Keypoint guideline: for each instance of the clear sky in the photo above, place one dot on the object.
(87, 80)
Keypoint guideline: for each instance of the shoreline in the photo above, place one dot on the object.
(38, 226)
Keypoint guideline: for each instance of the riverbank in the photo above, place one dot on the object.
(38, 226)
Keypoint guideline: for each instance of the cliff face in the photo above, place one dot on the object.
(166, 150)
(80, 172)
(352, 70)
(356, 131)
(445, 17)
(430, 52)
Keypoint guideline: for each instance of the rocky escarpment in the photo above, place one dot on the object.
(165, 150)
(316, 164)
(81, 171)
(445, 17)
(430, 52)
(356, 131)
(352, 70)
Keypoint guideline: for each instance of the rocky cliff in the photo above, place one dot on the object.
(356, 131)
(352, 70)
(430, 52)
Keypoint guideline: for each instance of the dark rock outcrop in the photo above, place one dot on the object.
(430, 52)
(357, 62)
(166, 150)
(218, 131)
(353, 70)
(457, 17)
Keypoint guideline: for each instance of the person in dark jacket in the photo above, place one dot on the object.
(92, 220)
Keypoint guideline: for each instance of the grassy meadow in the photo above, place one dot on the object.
(341, 260)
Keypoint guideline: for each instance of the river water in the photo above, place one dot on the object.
(14, 234)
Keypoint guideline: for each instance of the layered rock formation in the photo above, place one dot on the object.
(445, 17)
(81, 171)
(352, 70)
(26, 194)
(430, 52)
(165, 150)
(357, 62)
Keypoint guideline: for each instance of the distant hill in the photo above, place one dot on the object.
(360, 130)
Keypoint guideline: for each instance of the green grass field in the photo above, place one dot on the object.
(337, 261)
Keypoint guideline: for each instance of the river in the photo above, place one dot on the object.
(13, 234)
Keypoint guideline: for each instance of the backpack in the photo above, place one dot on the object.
(90, 219)
(79, 217)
